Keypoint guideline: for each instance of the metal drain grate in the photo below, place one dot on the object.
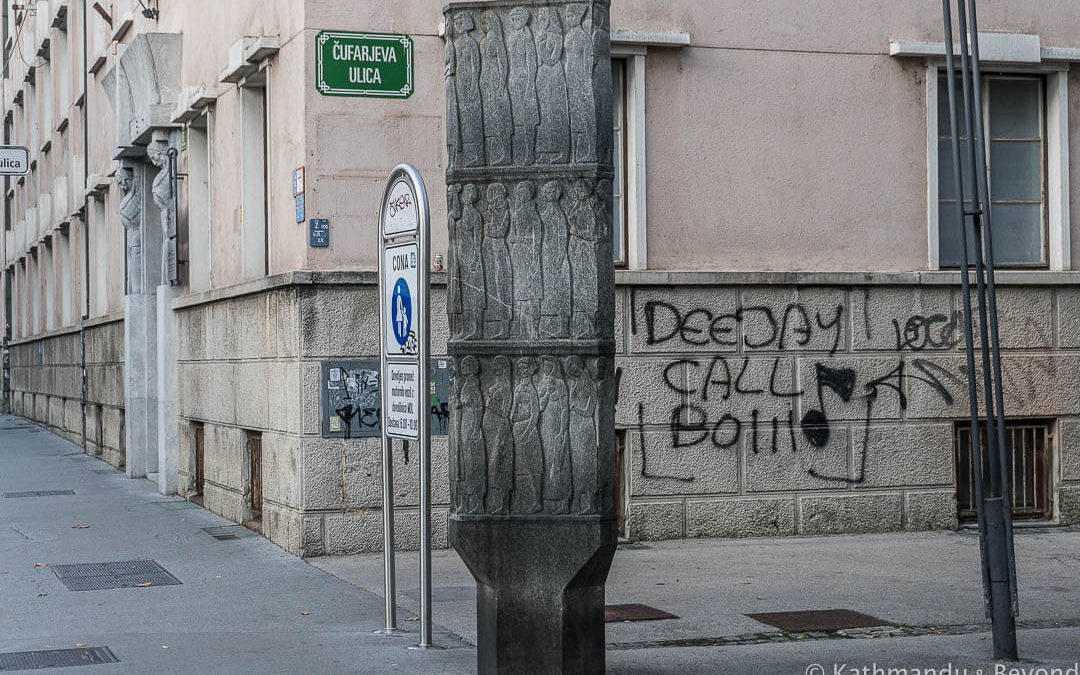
(818, 619)
(227, 532)
(635, 612)
(105, 576)
(56, 658)
(38, 493)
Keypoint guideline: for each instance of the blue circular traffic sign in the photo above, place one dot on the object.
(402, 309)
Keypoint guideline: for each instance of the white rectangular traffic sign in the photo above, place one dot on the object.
(402, 402)
(401, 300)
(401, 213)
(14, 160)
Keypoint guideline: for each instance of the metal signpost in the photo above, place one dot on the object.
(974, 214)
(405, 330)
(14, 160)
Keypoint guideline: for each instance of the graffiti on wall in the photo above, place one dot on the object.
(729, 400)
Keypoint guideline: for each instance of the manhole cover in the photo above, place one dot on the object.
(818, 619)
(38, 493)
(227, 532)
(104, 576)
(635, 612)
(56, 658)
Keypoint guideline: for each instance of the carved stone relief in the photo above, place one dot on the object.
(131, 218)
(541, 421)
(528, 85)
(527, 258)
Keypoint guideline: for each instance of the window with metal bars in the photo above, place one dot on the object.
(1027, 443)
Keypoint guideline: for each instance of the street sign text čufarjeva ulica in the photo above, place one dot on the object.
(363, 64)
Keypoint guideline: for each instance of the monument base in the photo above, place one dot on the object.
(539, 591)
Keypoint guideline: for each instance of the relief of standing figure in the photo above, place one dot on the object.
(498, 436)
(555, 305)
(555, 437)
(602, 83)
(469, 407)
(583, 259)
(523, 104)
(528, 453)
(498, 124)
(453, 260)
(497, 274)
(552, 141)
(525, 258)
(583, 434)
(471, 230)
(162, 192)
(453, 122)
(467, 79)
(579, 79)
(131, 218)
(605, 408)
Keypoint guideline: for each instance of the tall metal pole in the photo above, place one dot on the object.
(995, 525)
(389, 570)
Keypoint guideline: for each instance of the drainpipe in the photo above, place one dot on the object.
(86, 222)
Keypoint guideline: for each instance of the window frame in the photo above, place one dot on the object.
(1055, 123)
(633, 58)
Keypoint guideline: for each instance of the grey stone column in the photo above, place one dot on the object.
(531, 312)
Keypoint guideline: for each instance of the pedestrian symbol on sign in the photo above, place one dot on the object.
(402, 304)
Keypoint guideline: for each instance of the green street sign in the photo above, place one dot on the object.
(363, 64)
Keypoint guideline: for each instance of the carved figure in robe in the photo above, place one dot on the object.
(453, 260)
(579, 80)
(583, 436)
(602, 83)
(583, 260)
(555, 270)
(522, 85)
(453, 122)
(555, 437)
(599, 372)
(131, 218)
(552, 136)
(498, 125)
(470, 414)
(497, 274)
(498, 435)
(525, 259)
(470, 238)
(467, 81)
(162, 192)
(528, 452)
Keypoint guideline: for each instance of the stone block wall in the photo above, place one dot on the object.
(779, 409)
(760, 408)
(46, 386)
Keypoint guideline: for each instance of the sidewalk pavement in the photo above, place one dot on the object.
(242, 604)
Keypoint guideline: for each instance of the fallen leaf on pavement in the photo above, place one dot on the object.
(164, 646)
(306, 613)
(413, 618)
(80, 644)
(659, 583)
(42, 595)
(41, 564)
(80, 527)
(760, 597)
(143, 585)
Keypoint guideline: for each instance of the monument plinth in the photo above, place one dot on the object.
(531, 312)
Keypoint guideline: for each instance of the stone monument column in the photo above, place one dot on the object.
(532, 447)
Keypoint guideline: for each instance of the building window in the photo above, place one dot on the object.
(618, 77)
(1025, 118)
(1027, 445)
(1015, 132)
(628, 78)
